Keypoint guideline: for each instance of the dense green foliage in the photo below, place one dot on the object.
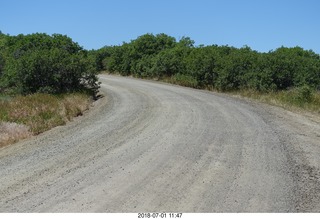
(39, 63)
(219, 67)
(55, 64)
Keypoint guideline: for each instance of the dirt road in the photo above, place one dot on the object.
(151, 147)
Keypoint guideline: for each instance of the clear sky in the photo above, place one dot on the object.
(261, 24)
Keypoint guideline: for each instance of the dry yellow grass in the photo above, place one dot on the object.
(23, 116)
(74, 105)
(294, 100)
(12, 132)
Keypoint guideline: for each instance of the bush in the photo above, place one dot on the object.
(47, 64)
(305, 94)
(219, 67)
(299, 96)
(184, 80)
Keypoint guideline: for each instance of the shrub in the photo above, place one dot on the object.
(184, 80)
(300, 96)
(47, 64)
(305, 93)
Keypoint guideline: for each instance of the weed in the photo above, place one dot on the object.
(75, 105)
(296, 98)
(12, 132)
(38, 113)
(184, 80)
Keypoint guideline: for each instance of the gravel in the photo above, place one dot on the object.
(153, 147)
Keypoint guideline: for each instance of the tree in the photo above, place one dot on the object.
(186, 42)
(171, 61)
(220, 67)
(2, 44)
(47, 64)
(233, 68)
(201, 64)
(150, 44)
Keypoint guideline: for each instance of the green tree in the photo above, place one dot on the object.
(145, 48)
(120, 60)
(186, 42)
(201, 64)
(150, 44)
(234, 67)
(292, 67)
(220, 67)
(50, 64)
(2, 50)
(171, 61)
(259, 77)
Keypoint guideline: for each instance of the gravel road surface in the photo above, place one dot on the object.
(152, 147)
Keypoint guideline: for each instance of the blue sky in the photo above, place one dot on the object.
(261, 24)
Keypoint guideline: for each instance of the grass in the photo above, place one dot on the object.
(12, 132)
(4, 97)
(296, 99)
(22, 116)
(183, 80)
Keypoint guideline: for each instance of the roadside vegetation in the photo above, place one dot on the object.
(45, 81)
(23, 116)
(285, 76)
(293, 100)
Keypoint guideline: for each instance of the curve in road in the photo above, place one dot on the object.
(152, 147)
